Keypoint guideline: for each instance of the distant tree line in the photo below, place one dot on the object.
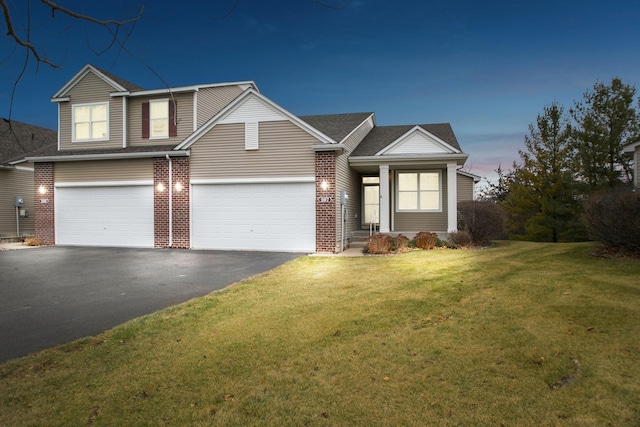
(574, 180)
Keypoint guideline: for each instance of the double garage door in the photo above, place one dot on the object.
(264, 216)
(105, 216)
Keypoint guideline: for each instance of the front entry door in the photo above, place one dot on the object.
(371, 204)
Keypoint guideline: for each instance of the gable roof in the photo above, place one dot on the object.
(381, 137)
(18, 139)
(336, 126)
(270, 109)
(119, 84)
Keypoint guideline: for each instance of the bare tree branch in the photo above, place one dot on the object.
(38, 52)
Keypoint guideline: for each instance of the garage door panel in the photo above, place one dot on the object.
(105, 216)
(254, 216)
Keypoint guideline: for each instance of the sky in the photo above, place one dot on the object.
(488, 68)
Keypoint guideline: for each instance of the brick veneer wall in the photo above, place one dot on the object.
(326, 210)
(44, 204)
(180, 203)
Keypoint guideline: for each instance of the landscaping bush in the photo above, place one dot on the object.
(380, 244)
(401, 242)
(426, 240)
(482, 220)
(32, 241)
(460, 238)
(613, 218)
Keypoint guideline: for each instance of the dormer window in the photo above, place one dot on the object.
(158, 119)
(90, 122)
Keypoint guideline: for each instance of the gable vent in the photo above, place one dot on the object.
(251, 136)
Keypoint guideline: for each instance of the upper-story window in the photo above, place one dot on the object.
(419, 191)
(158, 119)
(90, 122)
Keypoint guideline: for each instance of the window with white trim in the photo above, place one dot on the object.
(90, 122)
(419, 192)
(159, 118)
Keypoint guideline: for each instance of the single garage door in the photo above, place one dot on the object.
(105, 216)
(264, 216)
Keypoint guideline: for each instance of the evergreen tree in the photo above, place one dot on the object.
(542, 202)
(606, 121)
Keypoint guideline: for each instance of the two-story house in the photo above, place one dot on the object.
(221, 166)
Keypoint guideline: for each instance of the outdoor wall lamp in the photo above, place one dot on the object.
(324, 185)
(178, 187)
(160, 187)
(42, 189)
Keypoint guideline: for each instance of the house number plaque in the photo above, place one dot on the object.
(326, 199)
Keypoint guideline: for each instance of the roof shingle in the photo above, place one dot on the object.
(382, 136)
(18, 139)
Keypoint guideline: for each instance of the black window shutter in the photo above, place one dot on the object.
(173, 125)
(145, 120)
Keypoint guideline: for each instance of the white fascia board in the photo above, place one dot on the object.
(371, 118)
(24, 168)
(270, 180)
(191, 139)
(424, 132)
(630, 148)
(3, 167)
(80, 75)
(108, 156)
(58, 100)
(405, 159)
(191, 88)
(327, 147)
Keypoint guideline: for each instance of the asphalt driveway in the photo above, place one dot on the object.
(54, 295)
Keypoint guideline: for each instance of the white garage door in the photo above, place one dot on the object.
(269, 217)
(105, 216)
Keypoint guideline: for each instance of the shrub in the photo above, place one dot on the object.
(482, 220)
(613, 218)
(401, 242)
(380, 243)
(426, 240)
(32, 241)
(460, 238)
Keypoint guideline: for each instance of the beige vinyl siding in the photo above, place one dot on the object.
(212, 100)
(184, 117)
(91, 89)
(349, 180)
(15, 182)
(284, 151)
(465, 188)
(427, 221)
(104, 170)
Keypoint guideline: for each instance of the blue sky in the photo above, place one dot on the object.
(488, 68)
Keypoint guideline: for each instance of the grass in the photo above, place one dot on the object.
(443, 338)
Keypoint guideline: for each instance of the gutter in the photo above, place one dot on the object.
(109, 156)
(327, 147)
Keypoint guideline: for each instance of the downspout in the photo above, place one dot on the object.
(170, 201)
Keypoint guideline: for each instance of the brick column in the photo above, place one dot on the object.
(44, 203)
(180, 202)
(326, 201)
(160, 203)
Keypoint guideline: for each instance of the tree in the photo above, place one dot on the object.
(497, 191)
(542, 202)
(605, 122)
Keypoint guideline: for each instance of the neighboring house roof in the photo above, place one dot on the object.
(18, 139)
(381, 137)
(630, 148)
(336, 126)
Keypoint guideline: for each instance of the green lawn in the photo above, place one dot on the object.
(523, 334)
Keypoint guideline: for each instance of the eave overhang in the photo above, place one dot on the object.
(431, 159)
(109, 156)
